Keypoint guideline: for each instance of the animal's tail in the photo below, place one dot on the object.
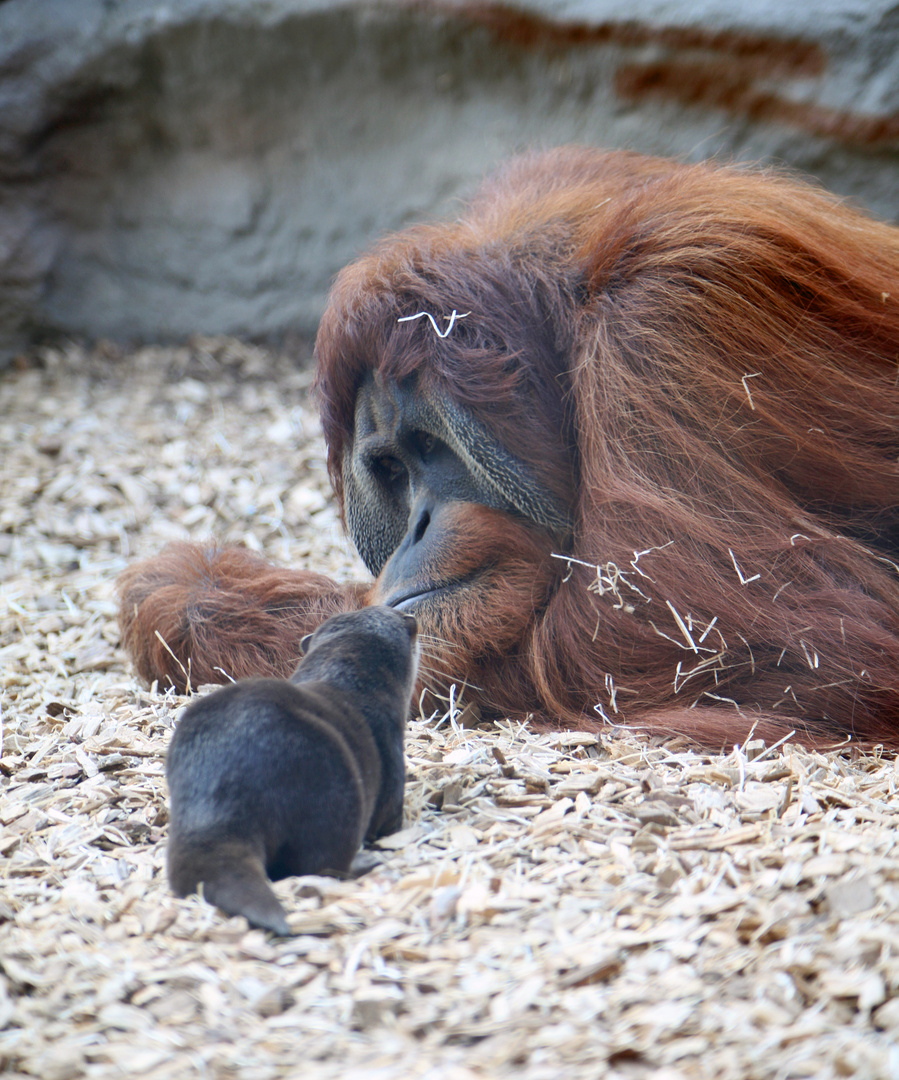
(244, 890)
(234, 880)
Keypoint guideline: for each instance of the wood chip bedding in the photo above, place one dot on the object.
(556, 905)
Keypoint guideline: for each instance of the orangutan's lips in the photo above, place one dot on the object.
(410, 600)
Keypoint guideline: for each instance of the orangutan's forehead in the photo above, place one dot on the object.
(390, 406)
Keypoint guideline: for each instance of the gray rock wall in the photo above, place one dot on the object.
(208, 165)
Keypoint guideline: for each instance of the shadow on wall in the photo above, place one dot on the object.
(210, 166)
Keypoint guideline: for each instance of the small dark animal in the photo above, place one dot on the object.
(270, 778)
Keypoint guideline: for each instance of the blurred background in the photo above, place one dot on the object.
(206, 166)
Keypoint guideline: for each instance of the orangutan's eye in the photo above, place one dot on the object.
(389, 470)
(424, 444)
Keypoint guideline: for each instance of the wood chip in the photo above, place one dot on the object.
(572, 904)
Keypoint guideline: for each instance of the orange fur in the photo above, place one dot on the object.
(702, 361)
(200, 614)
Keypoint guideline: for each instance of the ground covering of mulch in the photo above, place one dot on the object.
(557, 905)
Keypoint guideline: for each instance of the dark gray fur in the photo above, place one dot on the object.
(269, 777)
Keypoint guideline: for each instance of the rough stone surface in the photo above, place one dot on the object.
(208, 165)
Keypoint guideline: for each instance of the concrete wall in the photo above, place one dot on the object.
(208, 165)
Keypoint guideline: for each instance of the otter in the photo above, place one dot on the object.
(271, 777)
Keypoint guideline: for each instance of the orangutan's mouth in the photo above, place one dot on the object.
(408, 601)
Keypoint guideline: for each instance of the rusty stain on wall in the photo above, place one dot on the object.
(743, 74)
(530, 31)
(723, 83)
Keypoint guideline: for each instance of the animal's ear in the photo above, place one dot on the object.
(304, 644)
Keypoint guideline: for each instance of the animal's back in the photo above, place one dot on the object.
(265, 783)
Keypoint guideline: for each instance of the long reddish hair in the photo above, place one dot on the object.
(702, 361)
